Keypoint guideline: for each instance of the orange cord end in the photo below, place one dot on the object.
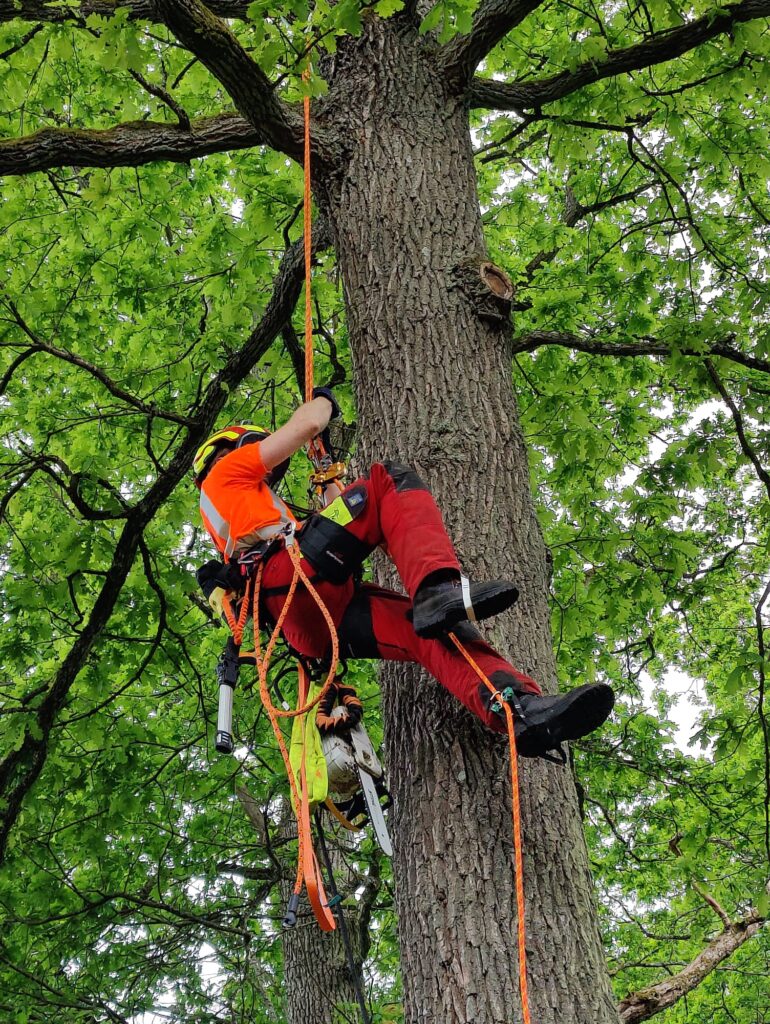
(517, 840)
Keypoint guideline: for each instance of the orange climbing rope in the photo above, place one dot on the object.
(308, 872)
(517, 843)
(308, 233)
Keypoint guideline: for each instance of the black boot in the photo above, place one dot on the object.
(439, 607)
(543, 723)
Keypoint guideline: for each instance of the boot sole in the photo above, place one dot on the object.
(591, 708)
(493, 603)
(583, 711)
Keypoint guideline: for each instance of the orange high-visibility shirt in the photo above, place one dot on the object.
(237, 507)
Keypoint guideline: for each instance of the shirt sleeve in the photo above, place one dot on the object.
(242, 466)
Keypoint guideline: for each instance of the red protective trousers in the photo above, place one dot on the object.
(394, 508)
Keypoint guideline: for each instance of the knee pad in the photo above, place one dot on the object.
(404, 477)
(356, 632)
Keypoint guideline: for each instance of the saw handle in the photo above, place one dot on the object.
(290, 917)
(349, 710)
(227, 676)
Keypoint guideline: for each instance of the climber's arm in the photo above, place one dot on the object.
(305, 424)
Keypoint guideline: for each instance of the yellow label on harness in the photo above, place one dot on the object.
(338, 512)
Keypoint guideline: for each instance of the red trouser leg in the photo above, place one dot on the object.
(401, 513)
(397, 510)
(376, 625)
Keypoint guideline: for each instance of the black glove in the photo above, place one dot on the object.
(216, 575)
(328, 394)
(211, 576)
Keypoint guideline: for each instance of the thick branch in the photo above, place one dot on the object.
(493, 20)
(140, 10)
(647, 1002)
(659, 48)
(212, 42)
(126, 145)
(20, 769)
(646, 347)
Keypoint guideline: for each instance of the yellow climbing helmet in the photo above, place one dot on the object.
(230, 438)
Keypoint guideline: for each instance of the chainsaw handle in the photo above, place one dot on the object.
(290, 917)
(227, 677)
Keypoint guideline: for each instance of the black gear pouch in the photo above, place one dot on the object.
(334, 553)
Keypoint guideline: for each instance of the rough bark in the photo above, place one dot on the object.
(433, 385)
(126, 145)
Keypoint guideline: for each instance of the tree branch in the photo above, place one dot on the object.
(740, 430)
(26, 38)
(40, 345)
(647, 1002)
(20, 769)
(212, 42)
(165, 97)
(706, 896)
(493, 20)
(139, 10)
(659, 48)
(645, 347)
(127, 145)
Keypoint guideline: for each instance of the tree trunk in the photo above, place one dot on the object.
(320, 988)
(433, 383)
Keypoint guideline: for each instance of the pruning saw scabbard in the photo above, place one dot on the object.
(227, 677)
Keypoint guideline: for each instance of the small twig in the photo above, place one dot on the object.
(165, 96)
(22, 42)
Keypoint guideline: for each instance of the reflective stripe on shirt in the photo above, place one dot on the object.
(221, 527)
(219, 524)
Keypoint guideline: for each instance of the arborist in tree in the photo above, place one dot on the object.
(236, 470)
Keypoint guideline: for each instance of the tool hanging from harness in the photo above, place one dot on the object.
(343, 760)
(357, 790)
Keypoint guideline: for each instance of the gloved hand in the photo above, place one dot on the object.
(215, 601)
(213, 581)
(328, 394)
(211, 576)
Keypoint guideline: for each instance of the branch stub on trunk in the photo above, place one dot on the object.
(488, 287)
